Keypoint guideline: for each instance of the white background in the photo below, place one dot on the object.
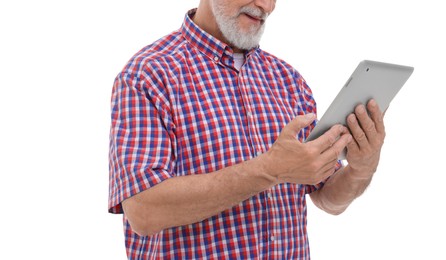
(58, 60)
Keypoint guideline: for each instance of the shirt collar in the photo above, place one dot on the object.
(212, 47)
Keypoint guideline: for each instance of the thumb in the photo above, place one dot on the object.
(299, 122)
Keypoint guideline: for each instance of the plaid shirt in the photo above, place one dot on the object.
(180, 107)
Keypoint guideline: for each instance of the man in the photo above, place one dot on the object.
(206, 152)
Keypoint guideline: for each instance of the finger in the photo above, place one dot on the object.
(355, 129)
(328, 170)
(294, 127)
(329, 138)
(377, 115)
(333, 153)
(366, 123)
(353, 147)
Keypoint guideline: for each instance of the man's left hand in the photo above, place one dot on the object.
(367, 128)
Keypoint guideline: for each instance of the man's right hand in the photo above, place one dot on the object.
(291, 161)
(184, 200)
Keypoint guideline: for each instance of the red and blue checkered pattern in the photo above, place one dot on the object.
(180, 107)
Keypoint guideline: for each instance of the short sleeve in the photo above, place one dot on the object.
(141, 151)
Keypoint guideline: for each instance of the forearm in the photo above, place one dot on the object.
(367, 129)
(189, 199)
(340, 190)
(185, 200)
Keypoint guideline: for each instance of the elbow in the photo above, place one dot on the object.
(326, 205)
(140, 219)
(334, 212)
(143, 229)
(331, 209)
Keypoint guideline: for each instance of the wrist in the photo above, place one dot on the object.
(263, 166)
(358, 175)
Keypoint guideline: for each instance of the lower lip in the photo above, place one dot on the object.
(253, 19)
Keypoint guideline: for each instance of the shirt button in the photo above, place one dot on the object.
(249, 114)
(270, 195)
(259, 153)
(216, 58)
(272, 238)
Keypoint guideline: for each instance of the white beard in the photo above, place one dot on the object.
(232, 31)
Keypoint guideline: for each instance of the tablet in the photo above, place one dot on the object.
(371, 79)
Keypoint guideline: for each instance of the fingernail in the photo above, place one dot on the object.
(309, 115)
(352, 118)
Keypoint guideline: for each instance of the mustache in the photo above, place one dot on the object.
(254, 12)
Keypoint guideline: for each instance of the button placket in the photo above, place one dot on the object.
(251, 115)
(272, 238)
